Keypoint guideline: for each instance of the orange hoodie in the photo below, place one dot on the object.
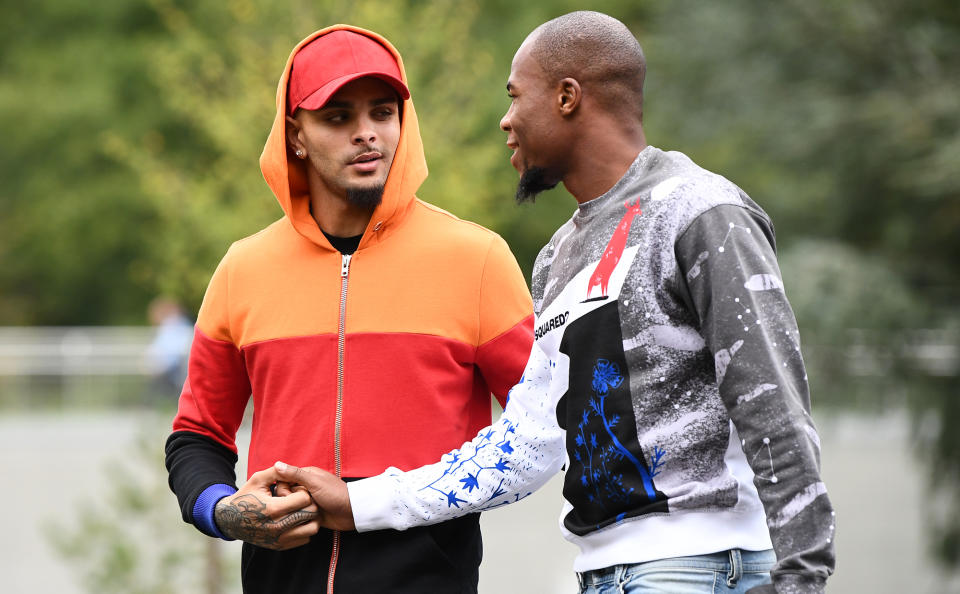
(385, 358)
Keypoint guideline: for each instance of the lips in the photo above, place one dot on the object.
(512, 144)
(366, 157)
(366, 162)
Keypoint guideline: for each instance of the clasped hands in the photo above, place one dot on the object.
(281, 507)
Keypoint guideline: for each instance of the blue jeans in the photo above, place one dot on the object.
(731, 572)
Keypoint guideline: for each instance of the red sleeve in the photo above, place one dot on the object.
(506, 321)
(503, 359)
(216, 391)
(217, 387)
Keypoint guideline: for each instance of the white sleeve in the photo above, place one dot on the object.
(504, 463)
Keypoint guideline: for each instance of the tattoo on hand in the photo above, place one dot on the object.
(243, 518)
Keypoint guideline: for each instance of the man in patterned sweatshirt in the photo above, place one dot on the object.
(666, 375)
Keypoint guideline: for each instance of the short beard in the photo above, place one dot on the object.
(366, 198)
(533, 181)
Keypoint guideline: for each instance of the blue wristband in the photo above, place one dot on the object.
(206, 504)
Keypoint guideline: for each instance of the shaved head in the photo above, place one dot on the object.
(599, 52)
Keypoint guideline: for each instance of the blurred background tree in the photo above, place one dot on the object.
(132, 130)
(124, 542)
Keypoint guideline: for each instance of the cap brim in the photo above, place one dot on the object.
(319, 98)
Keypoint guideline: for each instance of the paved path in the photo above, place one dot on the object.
(868, 466)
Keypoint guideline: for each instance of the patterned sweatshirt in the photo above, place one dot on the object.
(666, 378)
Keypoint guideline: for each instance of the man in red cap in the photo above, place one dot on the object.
(369, 328)
(351, 67)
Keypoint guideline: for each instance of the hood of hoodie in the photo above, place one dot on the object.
(287, 175)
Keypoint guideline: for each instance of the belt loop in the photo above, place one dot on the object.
(736, 568)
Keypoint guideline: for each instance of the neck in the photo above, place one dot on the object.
(334, 214)
(601, 158)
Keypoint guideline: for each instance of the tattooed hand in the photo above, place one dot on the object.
(254, 515)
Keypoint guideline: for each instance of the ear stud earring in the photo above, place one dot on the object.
(300, 153)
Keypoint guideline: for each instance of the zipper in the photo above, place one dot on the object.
(341, 342)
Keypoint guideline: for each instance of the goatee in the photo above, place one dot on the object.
(367, 198)
(533, 180)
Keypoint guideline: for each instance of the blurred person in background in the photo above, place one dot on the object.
(369, 327)
(166, 356)
(666, 376)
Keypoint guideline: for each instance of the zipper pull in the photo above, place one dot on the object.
(345, 266)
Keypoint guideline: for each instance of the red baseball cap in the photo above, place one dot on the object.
(330, 61)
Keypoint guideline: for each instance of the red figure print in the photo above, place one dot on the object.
(611, 255)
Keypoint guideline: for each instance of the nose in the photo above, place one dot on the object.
(365, 132)
(505, 120)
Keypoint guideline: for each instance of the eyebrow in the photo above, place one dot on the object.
(349, 104)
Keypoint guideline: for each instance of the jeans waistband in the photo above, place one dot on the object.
(733, 563)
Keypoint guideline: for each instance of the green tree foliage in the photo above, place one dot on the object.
(839, 117)
(70, 213)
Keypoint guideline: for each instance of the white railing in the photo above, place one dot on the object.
(935, 352)
(75, 350)
(124, 351)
